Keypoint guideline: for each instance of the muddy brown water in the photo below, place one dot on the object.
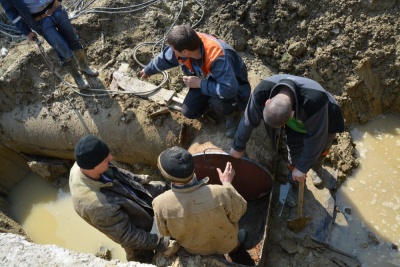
(371, 195)
(47, 215)
(369, 225)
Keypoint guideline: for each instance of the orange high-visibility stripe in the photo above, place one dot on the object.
(212, 50)
(325, 153)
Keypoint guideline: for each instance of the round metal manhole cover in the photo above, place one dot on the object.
(251, 180)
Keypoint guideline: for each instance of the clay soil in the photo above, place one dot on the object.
(351, 47)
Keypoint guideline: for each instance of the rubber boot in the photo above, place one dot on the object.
(79, 80)
(81, 59)
(231, 124)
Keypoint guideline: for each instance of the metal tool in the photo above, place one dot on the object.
(301, 222)
(286, 196)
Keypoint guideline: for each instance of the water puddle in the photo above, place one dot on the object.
(370, 198)
(47, 215)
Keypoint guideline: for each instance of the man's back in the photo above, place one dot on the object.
(202, 218)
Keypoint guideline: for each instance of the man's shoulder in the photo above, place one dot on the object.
(264, 86)
(164, 200)
(222, 189)
(164, 196)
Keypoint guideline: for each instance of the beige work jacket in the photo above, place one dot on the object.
(202, 218)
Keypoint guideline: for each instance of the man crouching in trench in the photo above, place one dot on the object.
(116, 202)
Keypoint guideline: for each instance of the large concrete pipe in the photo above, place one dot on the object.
(131, 134)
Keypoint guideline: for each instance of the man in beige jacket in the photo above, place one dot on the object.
(204, 219)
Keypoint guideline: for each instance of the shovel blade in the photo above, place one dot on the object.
(298, 224)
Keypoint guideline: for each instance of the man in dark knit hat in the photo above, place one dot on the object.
(202, 218)
(115, 201)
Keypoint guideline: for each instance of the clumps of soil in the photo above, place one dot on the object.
(342, 156)
(8, 225)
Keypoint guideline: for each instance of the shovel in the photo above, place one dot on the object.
(301, 222)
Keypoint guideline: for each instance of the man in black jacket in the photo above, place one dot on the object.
(115, 201)
(310, 115)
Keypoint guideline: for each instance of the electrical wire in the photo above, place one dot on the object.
(80, 7)
(110, 10)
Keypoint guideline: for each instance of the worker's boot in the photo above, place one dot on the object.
(72, 68)
(232, 122)
(317, 172)
(316, 179)
(242, 235)
(292, 197)
(82, 61)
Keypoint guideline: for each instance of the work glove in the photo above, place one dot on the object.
(167, 246)
(144, 178)
(172, 248)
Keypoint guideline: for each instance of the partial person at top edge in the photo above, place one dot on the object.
(214, 72)
(49, 19)
(309, 114)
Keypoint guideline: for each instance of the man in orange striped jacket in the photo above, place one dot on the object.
(213, 70)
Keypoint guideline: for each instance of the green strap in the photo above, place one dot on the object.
(296, 125)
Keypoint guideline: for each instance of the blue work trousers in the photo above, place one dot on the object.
(58, 31)
(196, 104)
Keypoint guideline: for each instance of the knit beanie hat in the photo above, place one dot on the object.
(90, 151)
(176, 165)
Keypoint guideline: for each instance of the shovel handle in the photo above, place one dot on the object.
(300, 200)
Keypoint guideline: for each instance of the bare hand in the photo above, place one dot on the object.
(298, 175)
(143, 75)
(31, 37)
(236, 154)
(192, 81)
(227, 175)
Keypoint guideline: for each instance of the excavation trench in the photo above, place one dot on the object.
(353, 51)
(47, 128)
(252, 180)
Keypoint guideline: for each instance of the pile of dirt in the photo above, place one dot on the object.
(351, 47)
